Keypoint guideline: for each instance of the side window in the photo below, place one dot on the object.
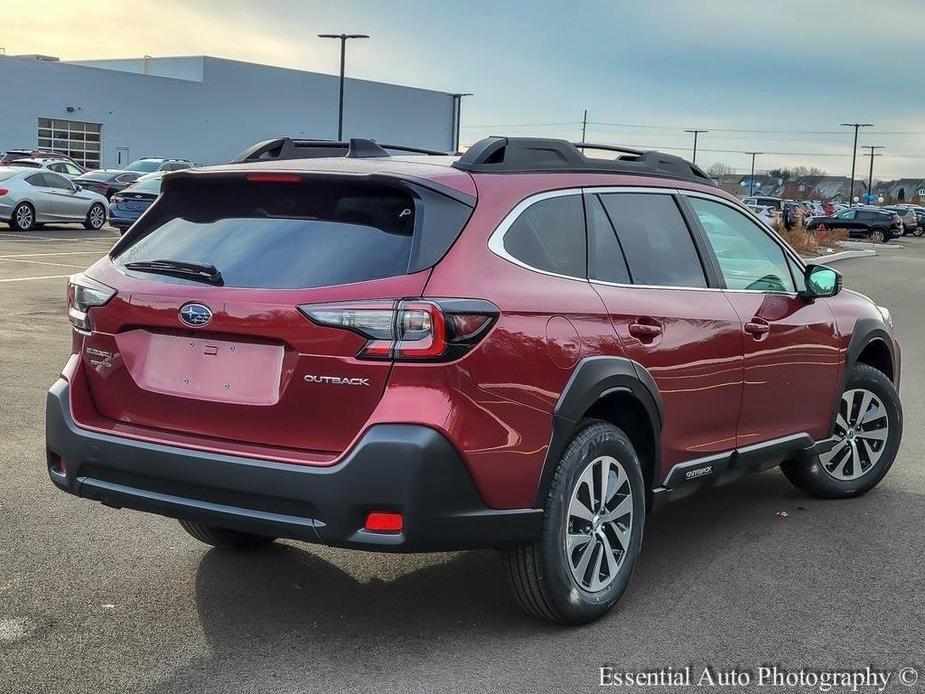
(58, 168)
(35, 180)
(53, 180)
(657, 244)
(550, 235)
(748, 257)
(71, 169)
(605, 258)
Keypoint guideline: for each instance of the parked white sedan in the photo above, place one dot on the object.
(29, 197)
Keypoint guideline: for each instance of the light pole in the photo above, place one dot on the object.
(870, 176)
(696, 133)
(854, 153)
(457, 117)
(751, 178)
(343, 50)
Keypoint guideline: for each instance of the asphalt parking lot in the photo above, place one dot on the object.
(98, 600)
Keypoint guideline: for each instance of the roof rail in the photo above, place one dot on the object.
(545, 155)
(355, 148)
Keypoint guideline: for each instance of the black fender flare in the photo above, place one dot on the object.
(592, 379)
(866, 332)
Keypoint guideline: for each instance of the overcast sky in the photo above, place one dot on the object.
(776, 77)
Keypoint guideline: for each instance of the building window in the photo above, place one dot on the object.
(922, 192)
(80, 141)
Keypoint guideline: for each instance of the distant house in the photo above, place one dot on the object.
(902, 190)
(739, 184)
(817, 187)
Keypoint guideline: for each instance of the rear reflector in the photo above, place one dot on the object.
(379, 522)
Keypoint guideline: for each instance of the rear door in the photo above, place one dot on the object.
(237, 359)
(647, 269)
(791, 347)
(66, 203)
(41, 197)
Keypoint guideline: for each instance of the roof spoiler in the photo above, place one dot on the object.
(356, 148)
(544, 155)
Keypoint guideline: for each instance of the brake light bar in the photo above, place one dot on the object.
(410, 329)
(271, 177)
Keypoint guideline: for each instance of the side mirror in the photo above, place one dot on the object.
(77, 188)
(821, 281)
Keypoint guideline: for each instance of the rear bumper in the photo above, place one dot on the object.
(403, 468)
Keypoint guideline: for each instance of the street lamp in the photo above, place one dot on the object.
(870, 177)
(457, 117)
(696, 133)
(751, 178)
(340, 101)
(854, 152)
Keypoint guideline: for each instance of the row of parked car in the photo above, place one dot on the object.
(866, 221)
(40, 187)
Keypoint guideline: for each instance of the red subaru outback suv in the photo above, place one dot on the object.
(522, 348)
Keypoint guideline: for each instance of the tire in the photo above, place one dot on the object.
(96, 217)
(877, 235)
(542, 575)
(225, 538)
(814, 475)
(919, 230)
(23, 217)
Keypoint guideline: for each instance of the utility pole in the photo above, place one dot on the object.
(751, 178)
(584, 129)
(343, 51)
(696, 133)
(457, 117)
(870, 176)
(854, 154)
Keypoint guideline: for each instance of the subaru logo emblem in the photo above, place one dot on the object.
(195, 315)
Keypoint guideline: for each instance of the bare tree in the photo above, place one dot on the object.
(718, 169)
(798, 171)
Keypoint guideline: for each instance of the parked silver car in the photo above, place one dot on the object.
(62, 166)
(29, 197)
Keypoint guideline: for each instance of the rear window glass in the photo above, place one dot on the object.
(281, 235)
(146, 184)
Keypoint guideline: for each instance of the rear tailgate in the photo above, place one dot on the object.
(237, 360)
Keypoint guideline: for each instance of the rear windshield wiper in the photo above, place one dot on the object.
(179, 268)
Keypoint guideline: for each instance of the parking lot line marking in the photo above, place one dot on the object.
(38, 255)
(39, 262)
(29, 279)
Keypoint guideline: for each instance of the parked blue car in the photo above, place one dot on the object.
(128, 205)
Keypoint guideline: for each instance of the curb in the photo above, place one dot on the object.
(843, 255)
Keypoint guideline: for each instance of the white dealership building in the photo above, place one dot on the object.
(106, 113)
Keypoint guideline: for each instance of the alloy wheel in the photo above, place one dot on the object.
(599, 524)
(862, 428)
(877, 236)
(24, 217)
(97, 216)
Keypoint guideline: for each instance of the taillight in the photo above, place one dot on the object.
(272, 177)
(409, 329)
(3, 191)
(84, 293)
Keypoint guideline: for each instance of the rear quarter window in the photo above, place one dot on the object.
(550, 236)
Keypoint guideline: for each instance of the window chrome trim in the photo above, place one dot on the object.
(496, 240)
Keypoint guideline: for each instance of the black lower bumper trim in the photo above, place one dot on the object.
(403, 468)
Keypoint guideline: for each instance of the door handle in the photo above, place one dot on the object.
(645, 331)
(757, 328)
